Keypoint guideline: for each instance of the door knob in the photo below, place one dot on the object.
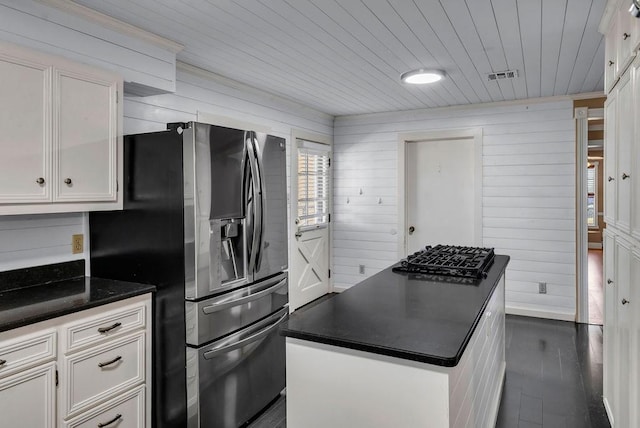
(611, 63)
(625, 36)
(40, 180)
(298, 234)
(67, 181)
(609, 281)
(411, 230)
(625, 301)
(610, 179)
(625, 176)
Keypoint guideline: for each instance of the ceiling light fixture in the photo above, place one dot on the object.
(421, 76)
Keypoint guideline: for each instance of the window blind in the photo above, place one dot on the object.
(313, 185)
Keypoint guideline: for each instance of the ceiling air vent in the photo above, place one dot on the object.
(499, 75)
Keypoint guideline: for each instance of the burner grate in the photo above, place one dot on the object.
(449, 260)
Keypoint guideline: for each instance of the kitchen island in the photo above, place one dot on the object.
(401, 350)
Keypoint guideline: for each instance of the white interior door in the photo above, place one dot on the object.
(440, 193)
(310, 207)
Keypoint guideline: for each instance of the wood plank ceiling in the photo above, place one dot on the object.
(345, 56)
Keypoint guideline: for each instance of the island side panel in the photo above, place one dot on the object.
(329, 386)
(476, 382)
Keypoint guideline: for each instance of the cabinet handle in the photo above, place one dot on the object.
(67, 181)
(111, 327)
(625, 176)
(625, 301)
(610, 179)
(611, 63)
(3, 362)
(104, 424)
(609, 281)
(625, 36)
(108, 363)
(40, 180)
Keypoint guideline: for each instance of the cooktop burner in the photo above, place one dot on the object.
(449, 261)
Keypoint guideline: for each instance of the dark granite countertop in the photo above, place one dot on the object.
(401, 316)
(35, 303)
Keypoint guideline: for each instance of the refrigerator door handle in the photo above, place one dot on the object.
(263, 202)
(244, 342)
(257, 200)
(225, 304)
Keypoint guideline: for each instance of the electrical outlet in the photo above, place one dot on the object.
(77, 244)
(361, 269)
(542, 288)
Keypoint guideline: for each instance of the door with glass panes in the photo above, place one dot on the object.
(311, 188)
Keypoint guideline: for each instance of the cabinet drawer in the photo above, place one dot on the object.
(94, 330)
(127, 410)
(26, 351)
(101, 372)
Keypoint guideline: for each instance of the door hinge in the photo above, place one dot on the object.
(56, 377)
(329, 273)
(117, 186)
(117, 97)
(329, 220)
(329, 162)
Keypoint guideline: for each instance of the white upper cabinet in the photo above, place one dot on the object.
(610, 173)
(624, 138)
(61, 145)
(84, 136)
(24, 141)
(621, 42)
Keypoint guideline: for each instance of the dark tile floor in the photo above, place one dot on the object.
(553, 379)
(554, 375)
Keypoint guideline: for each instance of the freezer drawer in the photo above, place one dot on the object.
(212, 318)
(231, 380)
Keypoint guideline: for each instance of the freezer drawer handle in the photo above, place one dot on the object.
(104, 424)
(108, 363)
(253, 338)
(111, 327)
(225, 304)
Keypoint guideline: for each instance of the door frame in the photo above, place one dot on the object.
(298, 134)
(582, 116)
(474, 134)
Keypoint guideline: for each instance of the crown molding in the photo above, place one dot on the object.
(112, 23)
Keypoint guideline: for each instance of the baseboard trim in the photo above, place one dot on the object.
(339, 289)
(595, 245)
(535, 313)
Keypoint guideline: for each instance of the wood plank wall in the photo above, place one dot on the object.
(528, 195)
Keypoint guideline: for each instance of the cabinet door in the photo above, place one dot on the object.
(626, 37)
(610, 325)
(610, 52)
(624, 349)
(25, 137)
(624, 139)
(85, 136)
(27, 399)
(634, 378)
(610, 159)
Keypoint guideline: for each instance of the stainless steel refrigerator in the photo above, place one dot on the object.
(204, 219)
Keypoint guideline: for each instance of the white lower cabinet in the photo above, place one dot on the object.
(27, 399)
(126, 410)
(621, 370)
(100, 359)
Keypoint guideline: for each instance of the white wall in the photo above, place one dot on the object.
(528, 195)
(42, 239)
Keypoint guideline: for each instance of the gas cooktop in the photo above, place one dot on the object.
(448, 262)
